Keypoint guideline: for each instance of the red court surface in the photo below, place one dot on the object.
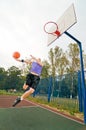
(7, 101)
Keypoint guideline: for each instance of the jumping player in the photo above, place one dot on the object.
(32, 78)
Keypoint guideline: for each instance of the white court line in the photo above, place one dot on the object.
(56, 112)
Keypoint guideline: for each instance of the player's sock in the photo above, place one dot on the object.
(21, 98)
(16, 101)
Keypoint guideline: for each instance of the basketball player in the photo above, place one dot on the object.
(32, 78)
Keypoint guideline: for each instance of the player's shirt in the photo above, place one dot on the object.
(36, 68)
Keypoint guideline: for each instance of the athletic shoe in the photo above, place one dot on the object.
(16, 101)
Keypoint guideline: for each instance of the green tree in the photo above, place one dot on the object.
(74, 60)
(13, 78)
(84, 60)
(3, 75)
(74, 63)
(54, 58)
(45, 70)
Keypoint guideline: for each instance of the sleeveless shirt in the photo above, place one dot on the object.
(36, 68)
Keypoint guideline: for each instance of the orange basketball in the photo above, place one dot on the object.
(16, 54)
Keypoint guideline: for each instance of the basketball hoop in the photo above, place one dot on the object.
(53, 31)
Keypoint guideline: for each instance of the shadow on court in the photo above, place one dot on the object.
(32, 117)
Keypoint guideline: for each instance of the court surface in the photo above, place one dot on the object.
(30, 116)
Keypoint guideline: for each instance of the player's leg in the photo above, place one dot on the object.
(25, 95)
(31, 80)
(25, 87)
(16, 101)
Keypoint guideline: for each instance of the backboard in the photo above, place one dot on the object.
(67, 20)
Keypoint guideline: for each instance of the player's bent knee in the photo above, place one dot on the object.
(32, 90)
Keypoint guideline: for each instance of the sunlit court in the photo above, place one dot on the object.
(29, 115)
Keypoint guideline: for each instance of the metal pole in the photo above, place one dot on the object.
(80, 92)
(49, 89)
(82, 73)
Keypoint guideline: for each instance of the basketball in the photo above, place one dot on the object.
(16, 54)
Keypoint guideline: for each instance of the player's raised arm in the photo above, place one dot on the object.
(27, 61)
(38, 60)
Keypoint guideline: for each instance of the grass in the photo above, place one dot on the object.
(64, 105)
(4, 92)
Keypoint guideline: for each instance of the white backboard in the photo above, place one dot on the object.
(67, 20)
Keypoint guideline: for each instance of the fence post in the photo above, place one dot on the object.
(49, 89)
(80, 92)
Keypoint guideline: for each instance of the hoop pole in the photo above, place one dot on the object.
(82, 73)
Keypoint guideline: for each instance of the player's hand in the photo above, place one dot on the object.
(25, 86)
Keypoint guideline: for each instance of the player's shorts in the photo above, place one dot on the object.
(32, 80)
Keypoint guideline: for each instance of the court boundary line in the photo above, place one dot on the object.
(56, 112)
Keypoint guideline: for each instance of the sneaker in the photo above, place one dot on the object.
(16, 101)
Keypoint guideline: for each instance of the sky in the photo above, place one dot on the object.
(22, 27)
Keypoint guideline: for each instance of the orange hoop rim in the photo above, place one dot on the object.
(56, 32)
